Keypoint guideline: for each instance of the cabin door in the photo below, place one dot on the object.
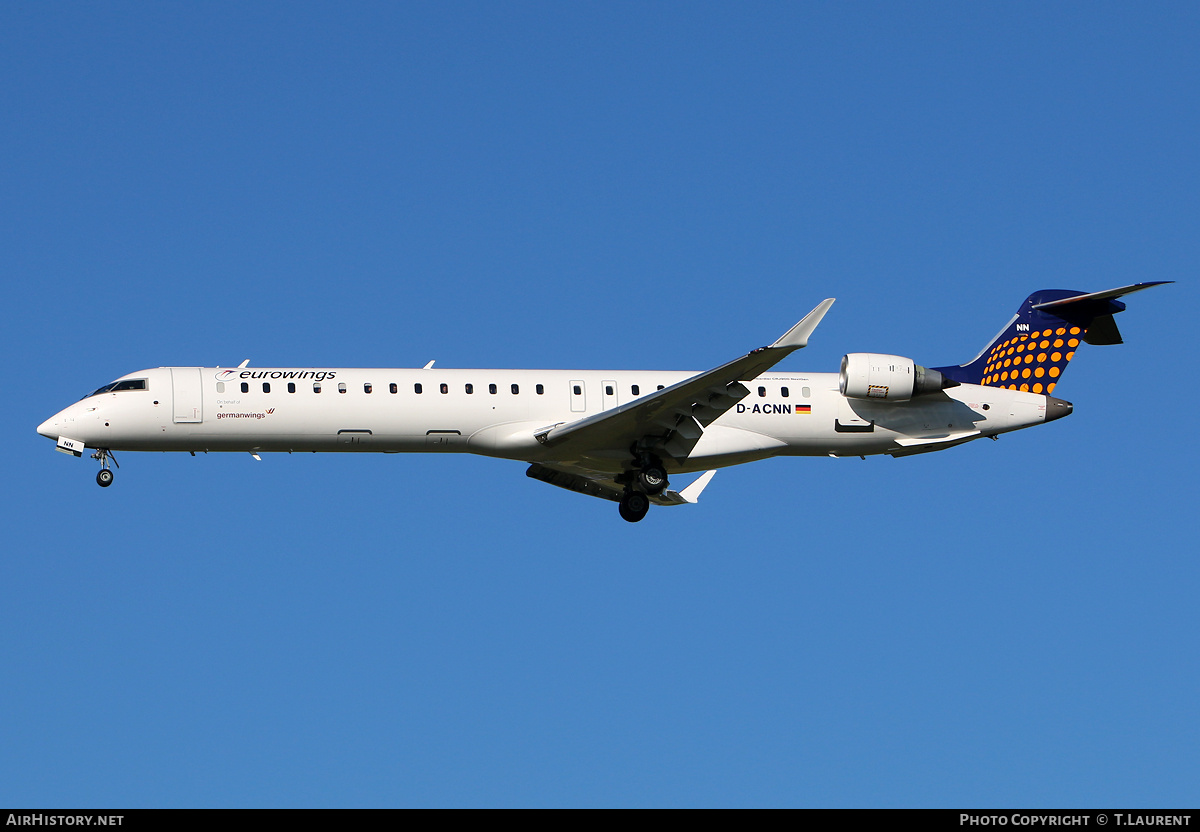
(188, 394)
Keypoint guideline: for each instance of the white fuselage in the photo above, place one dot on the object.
(253, 410)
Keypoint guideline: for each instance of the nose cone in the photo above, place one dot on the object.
(1057, 408)
(49, 428)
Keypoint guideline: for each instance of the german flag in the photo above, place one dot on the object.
(803, 409)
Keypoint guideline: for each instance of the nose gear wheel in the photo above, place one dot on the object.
(104, 478)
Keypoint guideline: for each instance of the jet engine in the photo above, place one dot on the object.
(868, 375)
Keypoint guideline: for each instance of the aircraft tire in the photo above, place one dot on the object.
(104, 478)
(634, 506)
(653, 480)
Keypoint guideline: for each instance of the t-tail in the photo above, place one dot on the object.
(1034, 348)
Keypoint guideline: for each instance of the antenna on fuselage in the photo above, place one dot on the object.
(244, 363)
(429, 366)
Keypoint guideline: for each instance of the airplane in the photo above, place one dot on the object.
(618, 435)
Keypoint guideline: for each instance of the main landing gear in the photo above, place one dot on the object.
(105, 477)
(649, 481)
(653, 480)
(634, 505)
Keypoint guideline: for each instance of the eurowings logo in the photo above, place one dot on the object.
(238, 372)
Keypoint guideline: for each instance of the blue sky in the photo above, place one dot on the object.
(597, 186)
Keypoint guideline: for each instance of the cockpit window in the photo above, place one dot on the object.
(119, 386)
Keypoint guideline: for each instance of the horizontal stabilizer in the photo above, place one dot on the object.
(908, 447)
(914, 441)
(1109, 294)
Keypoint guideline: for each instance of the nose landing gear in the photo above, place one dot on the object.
(104, 477)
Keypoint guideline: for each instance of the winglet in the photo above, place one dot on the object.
(692, 492)
(797, 336)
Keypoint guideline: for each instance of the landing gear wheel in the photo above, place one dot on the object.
(634, 505)
(104, 478)
(653, 480)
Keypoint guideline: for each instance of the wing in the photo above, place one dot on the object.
(671, 420)
(605, 486)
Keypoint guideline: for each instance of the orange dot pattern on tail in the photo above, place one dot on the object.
(1032, 361)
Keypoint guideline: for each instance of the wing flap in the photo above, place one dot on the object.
(605, 489)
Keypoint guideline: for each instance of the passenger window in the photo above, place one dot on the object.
(515, 389)
(608, 389)
(636, 390)
(491, 388)
(417, 387)
(540, 390)
(470, 388)
(291, 387)
(367, 387)
(220, 387)
(445, 388)
(392, 388)
(805, 392)
(578, 390)
(783, 391)
(341, 387)
(762, 392)
(660, 387)
(245, 387)
(266, 387)
(316, 387)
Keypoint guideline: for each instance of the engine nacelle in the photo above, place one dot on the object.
(869, 375)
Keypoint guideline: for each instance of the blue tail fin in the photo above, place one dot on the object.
(1034, 348)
